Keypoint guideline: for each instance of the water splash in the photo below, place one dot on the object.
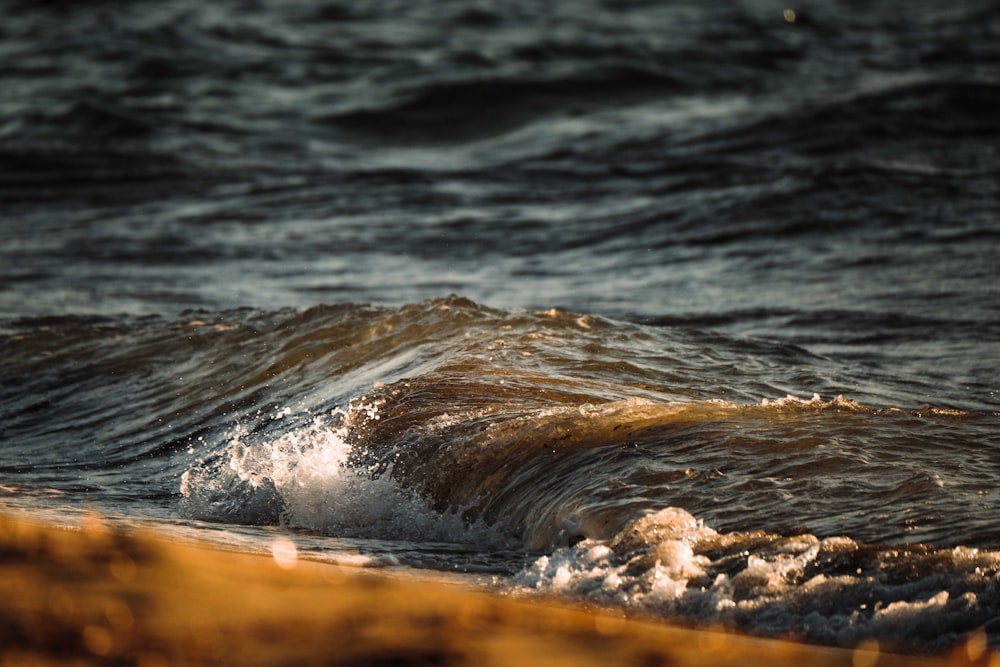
(302, 479)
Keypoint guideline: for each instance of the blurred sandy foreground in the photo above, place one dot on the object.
(97, 595)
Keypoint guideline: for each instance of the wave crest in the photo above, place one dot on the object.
(302, 479)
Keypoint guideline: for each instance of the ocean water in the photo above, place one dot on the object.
(687, 309)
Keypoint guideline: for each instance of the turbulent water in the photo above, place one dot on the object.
(689, 309)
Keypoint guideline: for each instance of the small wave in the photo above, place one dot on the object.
(889, 116)
(468, 109)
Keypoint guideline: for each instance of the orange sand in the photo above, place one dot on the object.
(103, 596)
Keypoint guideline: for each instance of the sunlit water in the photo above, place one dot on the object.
(686, 309)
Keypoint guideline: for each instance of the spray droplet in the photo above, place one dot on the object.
(284, 552)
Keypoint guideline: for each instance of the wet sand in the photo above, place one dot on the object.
(97, 595)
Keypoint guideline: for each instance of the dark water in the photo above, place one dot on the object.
(687, 308)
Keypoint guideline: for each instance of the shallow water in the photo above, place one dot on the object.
(722, 334)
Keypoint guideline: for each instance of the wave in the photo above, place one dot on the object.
(896, 115)
(450, 459)
(662, 468)
(464, 110)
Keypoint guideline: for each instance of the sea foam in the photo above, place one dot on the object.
(302, 479)
(831, 590)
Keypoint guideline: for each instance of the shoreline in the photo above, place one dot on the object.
(105, 595)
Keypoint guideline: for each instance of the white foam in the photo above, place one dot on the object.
(594, 569)
(816, 402)
(774, 585)
(304, 475)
